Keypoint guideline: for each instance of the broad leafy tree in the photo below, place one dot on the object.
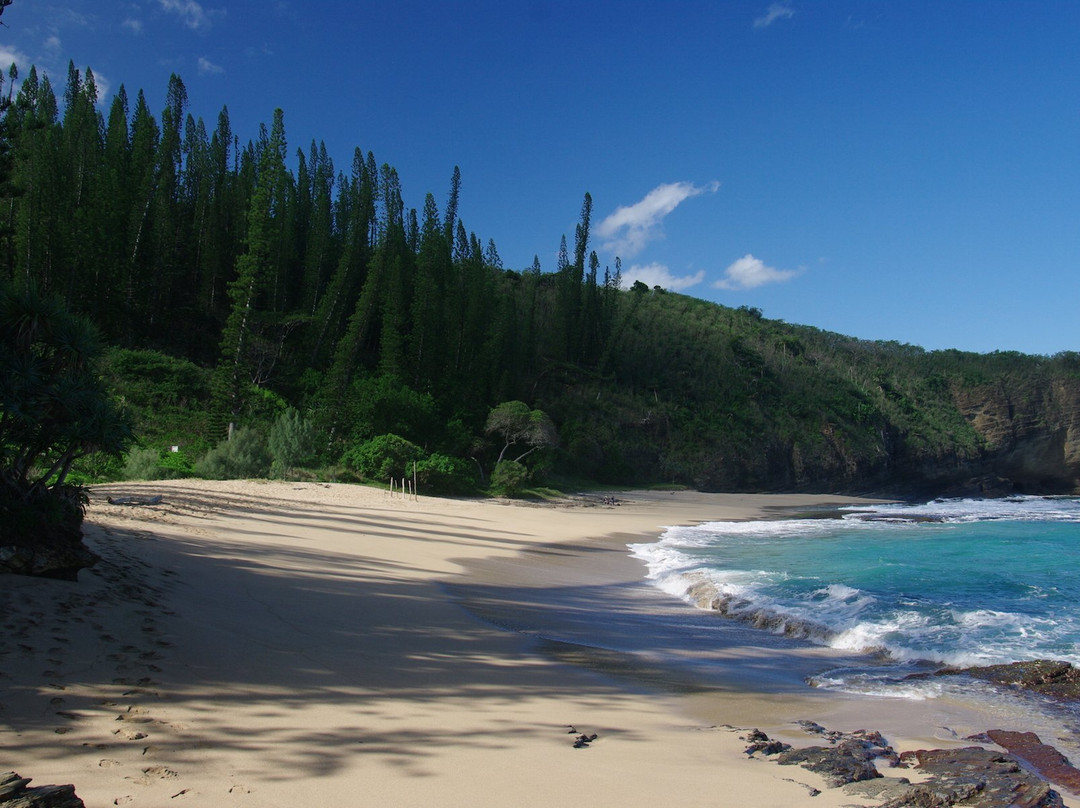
(519, 428)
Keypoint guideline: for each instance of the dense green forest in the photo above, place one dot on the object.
(266, 311)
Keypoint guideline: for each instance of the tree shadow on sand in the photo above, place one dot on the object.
(181, 643)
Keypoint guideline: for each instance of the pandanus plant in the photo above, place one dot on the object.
(53, 406)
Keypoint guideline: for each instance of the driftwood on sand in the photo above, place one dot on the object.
(155, 500)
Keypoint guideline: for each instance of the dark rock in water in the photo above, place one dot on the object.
(15, 794)
(1048, 677)
(1045, 760)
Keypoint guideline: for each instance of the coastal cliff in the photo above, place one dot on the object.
(1031, 433)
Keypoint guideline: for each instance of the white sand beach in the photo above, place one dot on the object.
(268, 644)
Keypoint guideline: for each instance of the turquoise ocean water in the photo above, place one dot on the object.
(911, 587)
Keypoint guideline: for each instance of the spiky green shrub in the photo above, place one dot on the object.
(292, 443)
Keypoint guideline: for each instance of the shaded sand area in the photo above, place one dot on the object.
(264, 644)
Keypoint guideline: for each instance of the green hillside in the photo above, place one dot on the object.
(305, 310)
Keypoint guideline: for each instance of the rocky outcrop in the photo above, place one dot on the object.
(849, 757)
(61, 561)
(1047, 677)
(43, 536)
(971, 776)
(1030, 433)
(1042, 758)
(14, 793)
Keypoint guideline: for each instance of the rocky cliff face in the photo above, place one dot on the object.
(1030, 433)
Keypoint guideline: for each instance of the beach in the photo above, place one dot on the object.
(264, 643)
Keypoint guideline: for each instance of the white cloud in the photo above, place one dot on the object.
(659, 275)
(776, 11)
(190, 12)
(103, 85)
(53, 45)
(10, 56)
(208, 68)
(630, 228)
(749, 273)
(133, 25)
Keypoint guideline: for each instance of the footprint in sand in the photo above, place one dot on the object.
(154, 773)
(130, 734)
(135, 719)
(108, 763)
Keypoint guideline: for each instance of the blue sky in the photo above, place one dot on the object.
(891, 170)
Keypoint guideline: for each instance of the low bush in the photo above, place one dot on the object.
(383, 457)
(509, 478)
(440, 474)
(243, 457)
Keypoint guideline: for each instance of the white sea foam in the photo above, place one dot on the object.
(1050, 509)
(879, 682)
(915, 582)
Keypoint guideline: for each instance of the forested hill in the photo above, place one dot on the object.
(236, 289)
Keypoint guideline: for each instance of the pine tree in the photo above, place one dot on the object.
(112, 210)
(356, 217)
(319, 248)
(246, 356)
(142, 182)
(37, 227)
(427, 344)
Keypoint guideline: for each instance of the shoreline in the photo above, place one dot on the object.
(612, 608)
(256, 642)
